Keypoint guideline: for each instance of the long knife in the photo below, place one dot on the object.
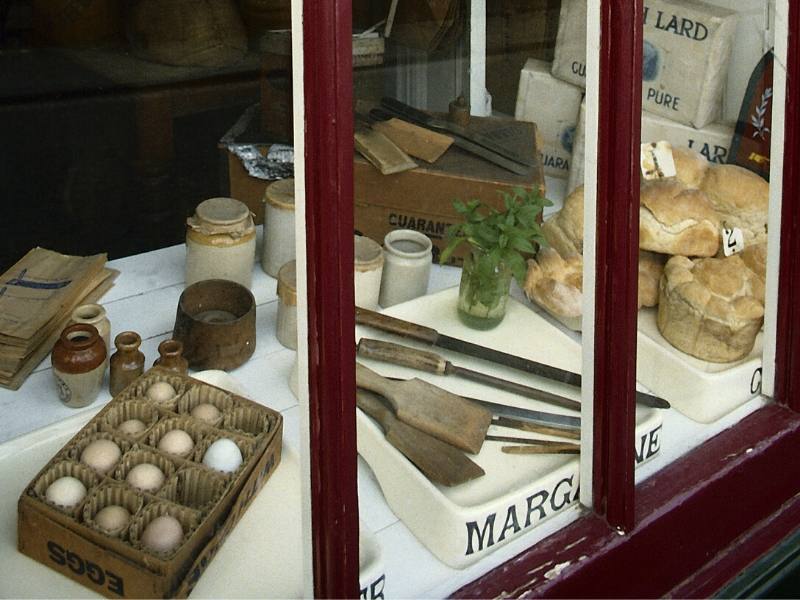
(431, 362)
(430, 336)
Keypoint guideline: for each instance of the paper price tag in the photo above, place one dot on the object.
(656, 161)
(732, 240)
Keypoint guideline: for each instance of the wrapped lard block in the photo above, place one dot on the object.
(687, 48)
(712, 142)
(554, 106)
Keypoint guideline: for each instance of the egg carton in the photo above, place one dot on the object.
(206, 502)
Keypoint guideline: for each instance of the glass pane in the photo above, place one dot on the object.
(466, 115)
(705, 206)
(133, 132)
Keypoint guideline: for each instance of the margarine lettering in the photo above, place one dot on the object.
(374, 590)
(543, 503)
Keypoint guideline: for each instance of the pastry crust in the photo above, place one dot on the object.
(741, 198)
(556, 284)
(710, 307)
(690, 166)
(564, 230)
(674, 219)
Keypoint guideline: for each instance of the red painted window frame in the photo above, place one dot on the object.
(695, 524)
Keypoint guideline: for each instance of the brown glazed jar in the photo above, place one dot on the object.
(79, 361)
(171, 357)
(127, 363)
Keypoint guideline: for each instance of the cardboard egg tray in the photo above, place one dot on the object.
(206, 502)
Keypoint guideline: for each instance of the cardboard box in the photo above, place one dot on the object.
(117, 566)
(420, 199)
(713, 141)
(554, 105)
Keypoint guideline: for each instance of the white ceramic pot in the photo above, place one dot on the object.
(407, 266)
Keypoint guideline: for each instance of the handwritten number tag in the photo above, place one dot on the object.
(656, 161)
(732, 240)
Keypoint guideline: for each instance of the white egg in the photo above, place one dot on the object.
(206, 412)
(161, 391)
(66, 492)
(113, 519)
(176, 442)
(162, 534)
(131, 427)
(101, 455)
(146, 477)
(223, 455)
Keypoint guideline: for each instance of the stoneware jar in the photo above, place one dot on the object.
(278, 248)
(170, 356)
(78, 361)
(127, 363)
(94, 314)
(408, 256)
(367, 272)
(220, 242)
(286, 322)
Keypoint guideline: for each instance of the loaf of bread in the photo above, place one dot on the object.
(690, 166)
(674, 219)
(754, 257)
(651, 266)
(556, 284)
(710, 307)
(741, 198)
(564, 230)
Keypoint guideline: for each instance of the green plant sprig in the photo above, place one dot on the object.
(501, 237)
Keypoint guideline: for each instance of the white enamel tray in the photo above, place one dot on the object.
(701, 390)
(462, 524)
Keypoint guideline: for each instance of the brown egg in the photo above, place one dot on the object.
(113, 519)
(101, 455)
(146, 477)
(176, 442)
(162, 534)
(131, 427)
(161, 391)
(206, 412)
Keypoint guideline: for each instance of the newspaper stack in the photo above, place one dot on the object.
(37, 297)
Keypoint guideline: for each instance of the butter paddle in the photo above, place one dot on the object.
(439, 462)
(432, 409)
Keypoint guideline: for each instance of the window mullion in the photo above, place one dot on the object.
(617, 254)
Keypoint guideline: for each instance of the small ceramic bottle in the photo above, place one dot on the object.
(286, 321)
(367, 272)
(408, 255)
(78, 361)
(94, 314)
(278, 248)
(171, 357)
(127, 363)
(220, 242)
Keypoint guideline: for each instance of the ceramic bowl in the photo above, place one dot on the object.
(216, 321)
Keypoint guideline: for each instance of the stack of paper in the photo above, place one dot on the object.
(37, 297)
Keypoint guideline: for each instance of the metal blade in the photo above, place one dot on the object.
(533, 416)
(530, 427)
(514, 387)
(531, 366)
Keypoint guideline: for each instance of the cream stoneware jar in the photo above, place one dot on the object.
(278, 248)
(367, 272)
(220, 242)
(286, 321)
